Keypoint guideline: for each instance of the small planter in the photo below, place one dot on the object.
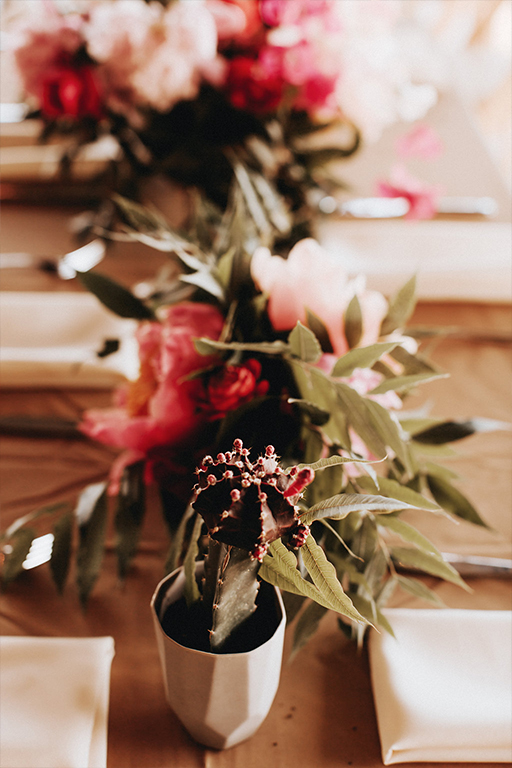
(220, 698)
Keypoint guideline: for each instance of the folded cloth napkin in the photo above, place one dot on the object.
(52, 340)
(453, 260)
(54, 696)
(443, 687)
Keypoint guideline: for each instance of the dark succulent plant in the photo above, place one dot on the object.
(246, 506)
(249, 505)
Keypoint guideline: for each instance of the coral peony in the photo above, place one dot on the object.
(312, 279)
(161, 406)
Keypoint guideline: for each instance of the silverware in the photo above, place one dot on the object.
(480, 567)
(398, 207)
(81, 260)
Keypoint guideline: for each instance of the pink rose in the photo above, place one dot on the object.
(422, 197)
(161, 406)
(251, 87)
(232, 386)
(69, 91)
(313, 279)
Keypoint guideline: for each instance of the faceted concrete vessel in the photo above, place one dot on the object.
(221, 699)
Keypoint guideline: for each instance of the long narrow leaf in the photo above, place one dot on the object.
(191, 590)
(423, 561)
(307, 625)
(326, 581)
(61, 550)
(401, 383)
(392, 489)
(115, 297)
(453, 500)
(131, 504)
(401, 308)
(362, 357)
(91, 543)
(339, 506)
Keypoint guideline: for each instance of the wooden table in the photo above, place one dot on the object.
(323, 715)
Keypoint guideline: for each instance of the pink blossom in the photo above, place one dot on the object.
(422, 141)
(43, 41)
(237, 21)
(161, 407)
(422, 197)
(310, 278)
(151, 56)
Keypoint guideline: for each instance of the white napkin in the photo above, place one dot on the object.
(453, 260)
(54, 695)
(443, 687)
(52, 339)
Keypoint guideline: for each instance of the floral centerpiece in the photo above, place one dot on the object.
(203, 91)
(270, 350)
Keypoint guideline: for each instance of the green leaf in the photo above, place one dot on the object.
(362, 357)
(279, 568)
(443, 472)
(353, 322)
(390, 431)
(408, 533)
(453, 500)
(317, 415)
(175, 550)
(115, 297)
(356, 409)
(419, 589)
(304, 344)
(191, 590)
(138, 216)
(370, 610)
(326, 581)
(320, 330)
(204, 280)
(400, 383)
(61, 550)
(423, 561)
(332, 461)
(13, 563)
(400, 309)
(395, 490)
(307, 625)
(131, 504)
(91, 512)
(411, 363)
(341, 505)
(207, 346)
(450, 431)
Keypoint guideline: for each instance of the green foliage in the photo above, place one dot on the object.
(131, 505)
(115, 297)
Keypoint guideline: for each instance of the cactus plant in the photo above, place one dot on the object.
(246, 506)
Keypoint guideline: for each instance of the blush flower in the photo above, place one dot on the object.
(310, 278)
(151, 56)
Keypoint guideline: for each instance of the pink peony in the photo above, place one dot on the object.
(151, 56)
(313, 279)
(422, 142)
(422, 197)
(44, 43)
(161, 406)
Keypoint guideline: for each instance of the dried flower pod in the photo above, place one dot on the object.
(249, 505)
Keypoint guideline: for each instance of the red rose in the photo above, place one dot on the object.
(251, 88)
(234, 385)
(68, 91)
